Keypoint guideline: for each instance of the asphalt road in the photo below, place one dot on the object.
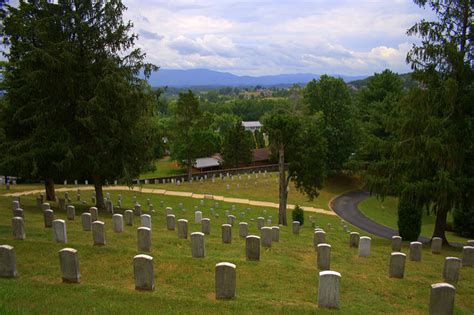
(345, 206)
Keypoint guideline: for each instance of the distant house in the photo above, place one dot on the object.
(252, 125)
(208, 163)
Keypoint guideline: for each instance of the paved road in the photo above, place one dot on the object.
(345, 206)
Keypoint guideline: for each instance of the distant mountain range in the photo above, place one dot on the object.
(204, 77)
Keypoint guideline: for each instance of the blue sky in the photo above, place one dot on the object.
(272, 37)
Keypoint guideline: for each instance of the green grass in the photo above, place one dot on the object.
(385, 212)
(164, 167)
(285, 281)
(264, 188)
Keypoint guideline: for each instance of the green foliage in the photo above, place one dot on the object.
(434, 124)
(259, 139)
(222, 123)
(298, 214)
(237, 145)
(463, 218)
(331, 97)
(282, 128)
(79, 107)
(38, 141)
(377, 105)
(247, 110)
(409, 218)
(191, 137)
(308, 157)
(406, 79)
(300, 141)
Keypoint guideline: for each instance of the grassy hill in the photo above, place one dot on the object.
(284, 281)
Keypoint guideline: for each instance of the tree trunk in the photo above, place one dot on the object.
(49, 187)
(283, 187)
(190, 170)
(440, 225)
(99, 194)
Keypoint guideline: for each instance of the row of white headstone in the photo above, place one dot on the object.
(328, 293)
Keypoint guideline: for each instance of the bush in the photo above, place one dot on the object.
(409, 219)
(463, 220)
(298, 214)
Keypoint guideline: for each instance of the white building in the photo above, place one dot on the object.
(252, 125)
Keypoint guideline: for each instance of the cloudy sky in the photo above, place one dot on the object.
(276, 36)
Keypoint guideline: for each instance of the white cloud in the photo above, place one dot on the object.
(270, 37)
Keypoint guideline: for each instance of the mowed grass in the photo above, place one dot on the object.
(284, 281)
(164, 167)
(264, 187)
(385, 212)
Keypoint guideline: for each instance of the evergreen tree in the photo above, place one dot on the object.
(237, 145)
(73, 82)
(432, 158)
(37, 106)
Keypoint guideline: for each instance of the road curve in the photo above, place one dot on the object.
(345, 206)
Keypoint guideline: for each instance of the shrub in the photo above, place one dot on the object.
(298, 214)
(409, 219)
(463, 220)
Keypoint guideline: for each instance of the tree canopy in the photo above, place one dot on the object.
(237, 145)
(73, 85)
(431, 163)
(332, 98)
(299, 141)
(191, 136)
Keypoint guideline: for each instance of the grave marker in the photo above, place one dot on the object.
(324, 256)
(243, 229)
(59, 231)
(225, 280)
(397, 265)
(143, 272)
(441, 299)
(18, 227)
(98, 233)
(364, 246)
(7, 262)
(328, 289)
(117, 222)
(226, 233)
(197, 245)
(69, 262)
(144, 239)
(252, 247)
(183, 228)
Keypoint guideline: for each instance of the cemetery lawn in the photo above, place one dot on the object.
(265, 189)
(284, 281)
(385, 212)
(164, 167)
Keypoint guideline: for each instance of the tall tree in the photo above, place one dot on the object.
(435, 123)
(445, 132)
(331, 96)
(191, 137)
(90, 104)
(37, 139)
(301, 142)
(237, 145)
